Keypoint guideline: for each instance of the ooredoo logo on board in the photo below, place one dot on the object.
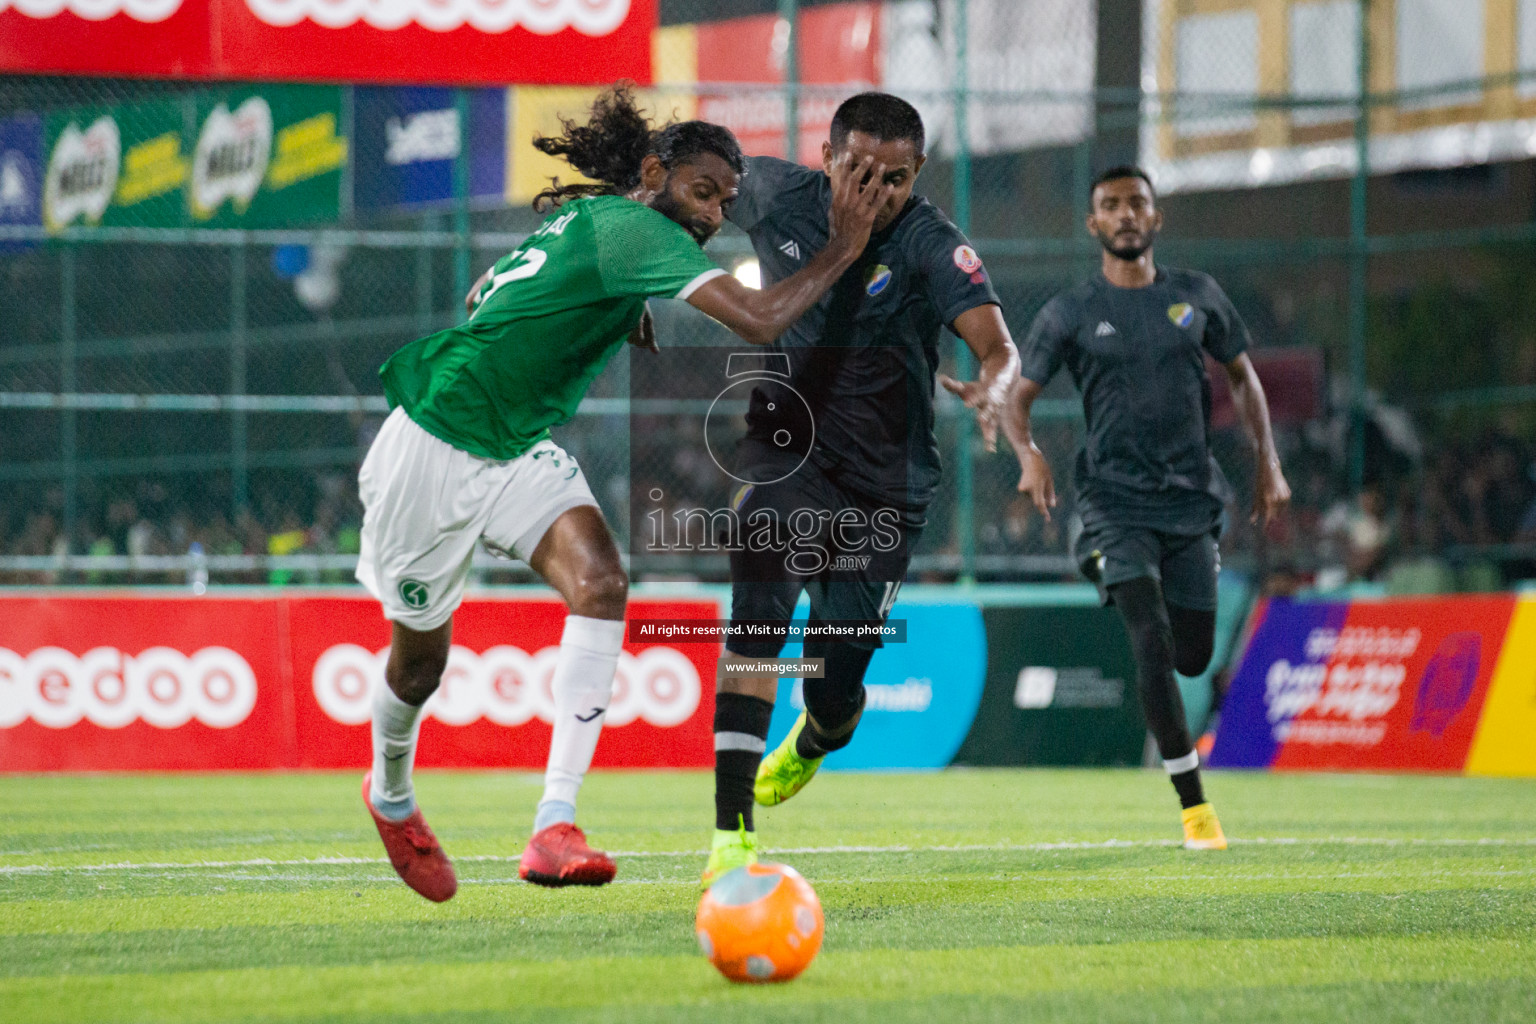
(147, 11)
(543, 17)
(107, 687)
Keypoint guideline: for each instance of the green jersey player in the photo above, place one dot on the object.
(466, 457)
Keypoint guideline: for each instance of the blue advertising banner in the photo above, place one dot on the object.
(407, 139)
(922, 694)
(21, 173)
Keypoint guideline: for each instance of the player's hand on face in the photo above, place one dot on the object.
(858, 193)
(986, 402)
(1036, 481)
(643, 335)
(1270, 494)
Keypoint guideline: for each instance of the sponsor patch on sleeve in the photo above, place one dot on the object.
(966, 259)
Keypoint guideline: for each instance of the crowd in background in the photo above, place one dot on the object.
(1460, 515)
(316, 514)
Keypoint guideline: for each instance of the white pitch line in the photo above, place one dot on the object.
(1109, 844)
(691, 881)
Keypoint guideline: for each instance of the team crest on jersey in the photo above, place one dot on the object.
(414, 593)
(879, 277)
(1182, 314)
(966, 259)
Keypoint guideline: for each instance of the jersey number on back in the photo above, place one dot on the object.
(532, 260)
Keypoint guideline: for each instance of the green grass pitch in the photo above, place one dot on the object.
(955, 896)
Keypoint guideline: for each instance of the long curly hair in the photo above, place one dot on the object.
(616, 138)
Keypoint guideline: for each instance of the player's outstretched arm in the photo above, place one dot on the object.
(1035, 477)
(986, 334)
(759, 317)
(1270, 491)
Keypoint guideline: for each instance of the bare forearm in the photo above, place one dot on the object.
(1253, 410)
(773, 310)
(999, 369)
(1016, 423)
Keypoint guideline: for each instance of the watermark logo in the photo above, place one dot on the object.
(771, 481)
(763, 377)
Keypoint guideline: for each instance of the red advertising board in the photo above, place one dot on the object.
(838, 44)
(102, 683)
(1405, 681)
(419, 41)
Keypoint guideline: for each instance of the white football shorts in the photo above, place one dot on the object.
(426, 503)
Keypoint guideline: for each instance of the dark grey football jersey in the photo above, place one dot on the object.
(864, 357)
(1137, 356)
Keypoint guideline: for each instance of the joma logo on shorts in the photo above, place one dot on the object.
(414, 593)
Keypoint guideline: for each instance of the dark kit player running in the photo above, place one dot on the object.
(845, 442)
(1149, 493)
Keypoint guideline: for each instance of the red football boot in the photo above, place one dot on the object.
(559, 855)
(414, 851)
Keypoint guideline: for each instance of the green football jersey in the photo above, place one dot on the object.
(545, 323)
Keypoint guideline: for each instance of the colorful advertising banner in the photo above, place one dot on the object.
(125, 682)
(267, 156)
(263, 157)
(423, 41)
(21, 172)
(838, 44)
(921, 696)
(116, 166)
(407, 140)
(1434, 684)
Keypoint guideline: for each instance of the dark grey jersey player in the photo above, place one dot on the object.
(861, 370)
(1134, 339)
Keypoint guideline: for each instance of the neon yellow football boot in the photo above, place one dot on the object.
(1202, 831)
(784, 773)
(729, 850)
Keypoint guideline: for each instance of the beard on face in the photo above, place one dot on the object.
(666, 204)
(1129, 250)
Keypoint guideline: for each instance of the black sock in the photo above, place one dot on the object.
(834, 703)
(741, 735)
(819, 738)
(1187, 784)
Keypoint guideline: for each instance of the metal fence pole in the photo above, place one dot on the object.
(965, 471)
(1359, 259)
(69, 441)
(462, 276)
(239, 449)
(424, 311)
(789, 14)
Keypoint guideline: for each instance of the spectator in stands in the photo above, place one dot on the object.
(1360, 532)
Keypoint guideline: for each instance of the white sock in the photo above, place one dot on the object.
(583, 686)
(395, 727)
(1179, 765)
